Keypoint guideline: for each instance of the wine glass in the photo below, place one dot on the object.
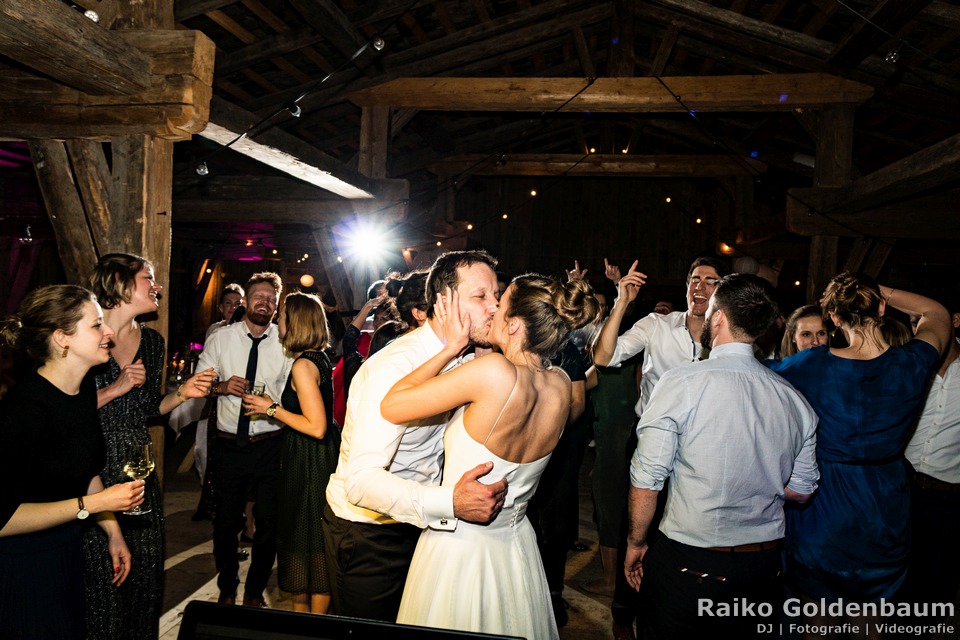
(139, 464)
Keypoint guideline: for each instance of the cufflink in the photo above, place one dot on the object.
(443, 522)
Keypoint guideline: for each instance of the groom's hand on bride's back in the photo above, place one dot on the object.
(475, 501)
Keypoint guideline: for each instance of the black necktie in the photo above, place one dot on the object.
(243, 423)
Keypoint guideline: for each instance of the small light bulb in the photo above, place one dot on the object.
(592, 150)
(294, 110)
(209, 270)
(306, 255)
(469, 227)
(668, 199)
(92, 15)
(796, 283)
(274, 252)
(699, 220)
(533, 192)
(624, 150)
(439, 243)
(379, 43)
(202, 169)
(339, 258)
(504, 216)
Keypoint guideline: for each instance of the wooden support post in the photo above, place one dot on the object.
(336, 276)
(374, 141)
(833, 167)
(74, 242)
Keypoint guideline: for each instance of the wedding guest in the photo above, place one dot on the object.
(805, 329)
(128, 395)
(308, 453)
(49, 435)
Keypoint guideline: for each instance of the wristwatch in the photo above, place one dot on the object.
(82, 513)
(272, 409)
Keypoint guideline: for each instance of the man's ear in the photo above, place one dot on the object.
(955, 320)
(883, 307)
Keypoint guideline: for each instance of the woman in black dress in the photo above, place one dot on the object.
(128, 394)
(51, 450)
(309, 455)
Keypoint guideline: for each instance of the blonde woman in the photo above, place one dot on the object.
(308, 454)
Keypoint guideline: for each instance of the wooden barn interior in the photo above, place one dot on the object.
(223, 137)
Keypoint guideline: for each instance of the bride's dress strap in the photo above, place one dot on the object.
(512, 391)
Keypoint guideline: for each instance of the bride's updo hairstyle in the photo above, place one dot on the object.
(854, 298)
(550, 310)
(42, 312)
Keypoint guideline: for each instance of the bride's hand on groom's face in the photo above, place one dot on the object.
(455, 324)
(475, 501)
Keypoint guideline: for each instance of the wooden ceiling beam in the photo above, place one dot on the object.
(52, 38)
(174, 106)
(661, 166)
(266, 49)
(284, 152)
(863, 38)
(782, 92)
(921, 218)
(328, 19)
(186, 9)
(926, 170)
(480, 44)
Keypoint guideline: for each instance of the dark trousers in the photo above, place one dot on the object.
(368, 565)
(678, 577)
(235, 470)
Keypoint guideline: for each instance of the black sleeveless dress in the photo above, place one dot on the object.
(305, 467)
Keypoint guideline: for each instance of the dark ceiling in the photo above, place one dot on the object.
(315, 53)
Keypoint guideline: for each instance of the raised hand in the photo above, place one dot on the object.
(611, 271)
(576, 273)
(475, 501)
(629, 285)
(455, 325)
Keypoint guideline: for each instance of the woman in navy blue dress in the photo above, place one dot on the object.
(852, 539)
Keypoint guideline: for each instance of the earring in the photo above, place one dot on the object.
(63, 354)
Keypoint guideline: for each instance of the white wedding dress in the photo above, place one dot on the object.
(484, 578)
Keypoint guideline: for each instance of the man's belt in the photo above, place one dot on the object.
(924, 481)
(226, 435)
(753, 547)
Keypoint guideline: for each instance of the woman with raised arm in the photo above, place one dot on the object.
(128, 395)
(511, 408)
(51, 450)
(852, 539)
(309, 455)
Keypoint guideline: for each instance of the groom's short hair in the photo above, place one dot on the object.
(443, 273)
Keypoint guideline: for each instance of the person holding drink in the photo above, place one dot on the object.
(247, 448)
(128, 395)
(49, 435)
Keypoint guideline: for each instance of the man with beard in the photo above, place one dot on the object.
(387, 484)
(247, 448)
(667, 340)
(735, 440)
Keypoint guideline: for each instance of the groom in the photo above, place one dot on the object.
(387, 484)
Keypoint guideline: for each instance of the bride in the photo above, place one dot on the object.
(512, 408)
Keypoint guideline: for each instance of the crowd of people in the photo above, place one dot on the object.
(423, 470)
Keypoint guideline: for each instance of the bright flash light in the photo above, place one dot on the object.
(365, 241)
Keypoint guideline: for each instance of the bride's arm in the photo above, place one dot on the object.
(423, 392)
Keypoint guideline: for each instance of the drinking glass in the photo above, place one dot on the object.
(256, 389)
(139, 464)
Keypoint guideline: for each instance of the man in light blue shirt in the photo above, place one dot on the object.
(736, 441)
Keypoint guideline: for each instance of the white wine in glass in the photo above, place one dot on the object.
(139, 464)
